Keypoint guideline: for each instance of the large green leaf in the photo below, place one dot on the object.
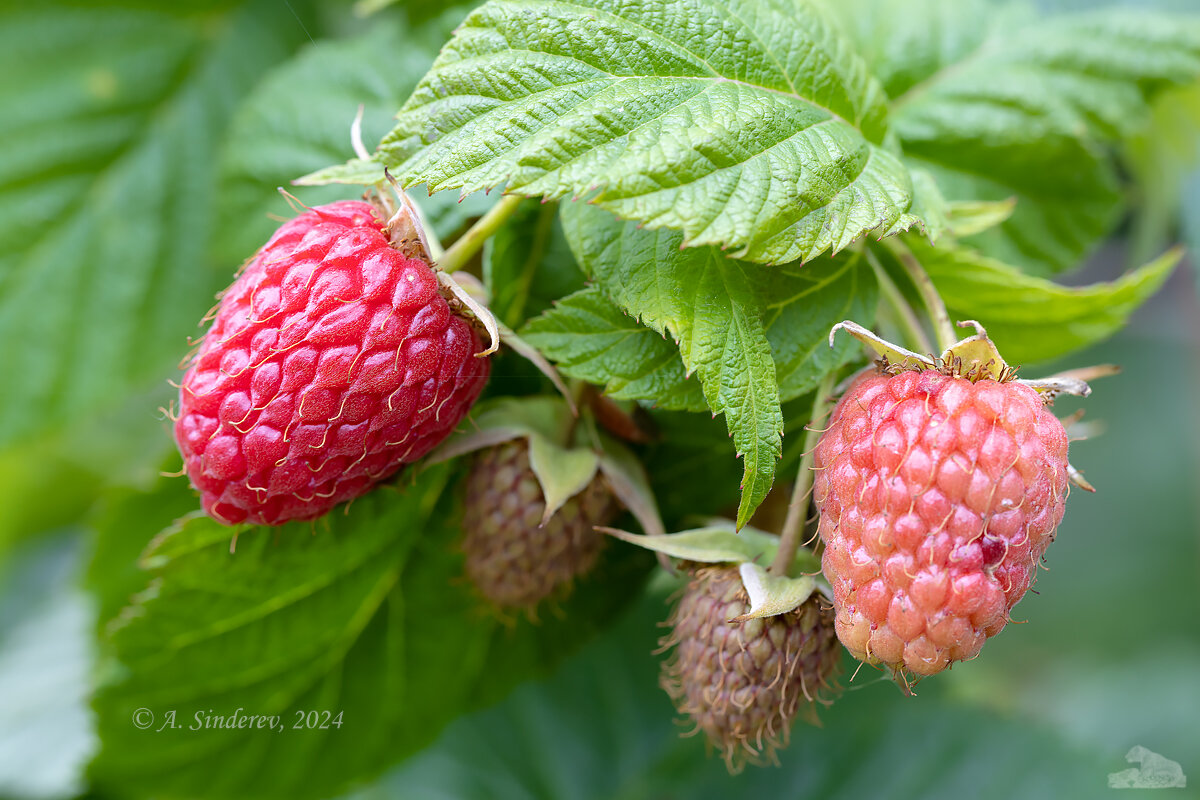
(108, 143)
(755, 128)
(589, 337)
(1028, 113)
(364, 614)
(1034, 319)
(602, 728)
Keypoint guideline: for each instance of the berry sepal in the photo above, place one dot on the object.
(563, 469)
(720, 543)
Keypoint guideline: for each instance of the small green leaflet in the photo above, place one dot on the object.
(1033, 319)
(590, 338)
(757, 129)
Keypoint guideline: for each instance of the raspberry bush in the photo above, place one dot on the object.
(585, 316)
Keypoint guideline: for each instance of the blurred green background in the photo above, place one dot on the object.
(122, 218)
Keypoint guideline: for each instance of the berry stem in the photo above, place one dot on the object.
(929, 293)
(467, 245)
(909, 322)
(793, 524)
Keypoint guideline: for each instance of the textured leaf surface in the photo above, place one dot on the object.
(753, 335)
(1034, 319)
(1027, 113)
(589, 337)
(713, 307)
(365, 614)
(754, 127)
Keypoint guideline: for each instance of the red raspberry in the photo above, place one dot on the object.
(938, 497)
(331, 361)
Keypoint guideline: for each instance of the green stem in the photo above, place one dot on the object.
(470, 242)
(793, 524)
(917, 338)
(929, 293)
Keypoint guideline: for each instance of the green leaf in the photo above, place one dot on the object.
(757, 129)
(363, 613)
(554, 745)
(771, 595)
(107, 185)
(712, 306)
(1033, 319)
(590, 338)
(753, 335)
(356, 171)
(527, 264)
(124, 522)
(713, 544)
(1027, 113)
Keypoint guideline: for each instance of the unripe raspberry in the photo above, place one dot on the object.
(938, 497)
(744, 683)
(332, 360)
(514, 559)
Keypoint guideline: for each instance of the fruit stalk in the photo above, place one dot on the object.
(909, 322)
(942, 326)
(470, 242)
(793, 524)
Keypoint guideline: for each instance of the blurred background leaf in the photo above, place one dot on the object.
(108, 145)
(46, 656)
